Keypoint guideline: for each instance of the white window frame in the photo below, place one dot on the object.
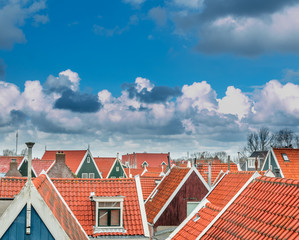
(191, 203)
(88, 159)
(251, 163)
(117, 168)
(144, 163)
(285, 157)
(91, 175)
(84, 175)
(97, 200)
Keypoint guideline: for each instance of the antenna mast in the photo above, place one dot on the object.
(17, 138)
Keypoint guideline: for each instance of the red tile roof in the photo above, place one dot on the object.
(148, 184)
(58, 208)
(164, 191)
(198, 223)
(215, 168)
(154, 171)
(104, 164)
(73, 158)
(40, 165)
(76, 194)
(266, 209)
(290, 169)
(222, 193)
(133, 171)
(6, 160)
(153, 159)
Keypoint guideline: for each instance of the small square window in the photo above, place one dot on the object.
(84, 175)
(285, 157)
(91, 175)
(109, 214)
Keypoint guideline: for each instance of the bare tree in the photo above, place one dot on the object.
(284, 138)
(259, 141)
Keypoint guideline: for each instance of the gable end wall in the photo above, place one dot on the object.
(192, 191)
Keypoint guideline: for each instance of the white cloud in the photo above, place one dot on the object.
(235, 102)
(73, 77)
(134, 2)
(193, 4)
(158, 14)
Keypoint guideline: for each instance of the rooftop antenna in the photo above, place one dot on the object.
(88, 148)
(17, 138)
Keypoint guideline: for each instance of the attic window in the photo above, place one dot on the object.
(163, 163)
(285, 157)
(88, 159)
(109, 214)
(144, 164)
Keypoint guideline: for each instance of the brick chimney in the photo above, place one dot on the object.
(13, 169)
(60, 169)
(60, 157)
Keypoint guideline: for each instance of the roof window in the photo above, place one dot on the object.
(285, 157)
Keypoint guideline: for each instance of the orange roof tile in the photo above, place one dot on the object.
(164, 191)
(58, 208)
(6, 160)
(40, 165)
(290, 169)
(133, 171)
(153, 159)
(104, 164)
(73, 158)
(215, 170)
(266, 209)
(148, 184)
(222, 193)
(76, 192)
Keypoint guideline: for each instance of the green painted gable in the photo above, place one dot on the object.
(117, 171)
(272, 163)
(88, 168)
(23, 169)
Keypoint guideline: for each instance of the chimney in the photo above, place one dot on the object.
(117, 156)
(30, 146)
(256, 163)
(168, 159)
(13, 169)
(135, 160)
(194, 162)
(60, 157)
(228, 163)
(210, 174)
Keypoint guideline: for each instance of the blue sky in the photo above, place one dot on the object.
(142, 75)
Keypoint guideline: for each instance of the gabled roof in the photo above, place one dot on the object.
(266, 209)
(39, 165)
(153, 159)
(165, 191)
(59, 208)
(6, 160)
(148, 184)
(104, 164)
(225, 189)
(73, 158)
(290, 169)
(50, 207)
(261, 154)
(133, 171)
(154, 171)
(215, 169)
(76, 194)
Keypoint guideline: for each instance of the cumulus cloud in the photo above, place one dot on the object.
(245, 28)
(13, 15)
(189, 118)
(235, 102)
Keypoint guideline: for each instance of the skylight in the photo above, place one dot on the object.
(285, 157)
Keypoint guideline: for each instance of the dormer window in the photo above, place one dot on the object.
(285, 157)
(163, 164)
(144, 164)
(109, 214)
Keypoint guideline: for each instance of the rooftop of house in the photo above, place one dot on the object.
(133, 171)
(104, 164)
(227, 187)
(39, 165)
(73, 158)
(290, 167)
(266, 209)
(261, 154)
(152, 159)
(76, 193)
(59, 209)
(6, 160)
(163, 192)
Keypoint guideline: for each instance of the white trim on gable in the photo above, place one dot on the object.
(82, 161)
(275, 159)
(22, 162)
(111, 168)
(266, 160)
(192, 169)
(255, 175)
(141, 205)
(198, 207)
(201, 178)
(52, 166)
